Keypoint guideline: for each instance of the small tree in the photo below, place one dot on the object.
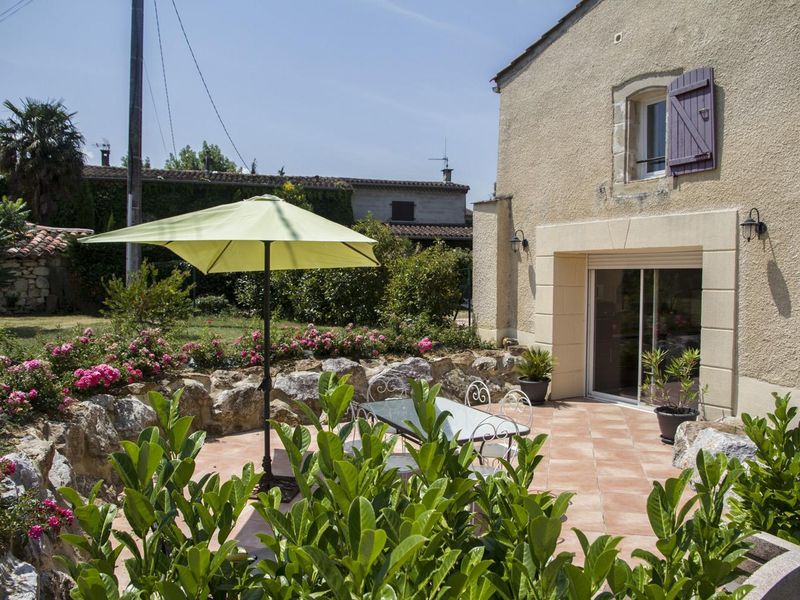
(148, 301)
(189, 160)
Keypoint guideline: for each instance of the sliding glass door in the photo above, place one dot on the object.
(634, 310)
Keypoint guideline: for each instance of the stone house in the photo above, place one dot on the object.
(635, 138)
(43, 281)
(419, 210)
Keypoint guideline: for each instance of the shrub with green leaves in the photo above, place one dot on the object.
(212, 304)
(360, 531)
(148, 301)
(426, 285)
(173, 520)
(769, 498)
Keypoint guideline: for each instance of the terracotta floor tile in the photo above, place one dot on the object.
(621, 523)
(624, 502)
(572, 452)
(660, 472)
(585, 519)
(612, 483)
(620, 442)
(609, 468)
(615, 454)
(574, 468)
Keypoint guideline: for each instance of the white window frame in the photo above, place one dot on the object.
(637, 137)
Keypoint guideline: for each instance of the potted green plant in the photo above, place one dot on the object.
(534, 369)
(659, 383)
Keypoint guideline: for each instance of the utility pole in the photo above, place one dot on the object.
(133, 252)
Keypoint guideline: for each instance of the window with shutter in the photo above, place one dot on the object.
(690, 107)
(402, 211)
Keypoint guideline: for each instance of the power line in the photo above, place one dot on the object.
(155, 109)
(205, 85)
(164, 74)
(12, 7)
(14, 10)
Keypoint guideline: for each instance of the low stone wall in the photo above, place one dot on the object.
(226, 402)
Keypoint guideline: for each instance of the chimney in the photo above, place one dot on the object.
(105, 156)
(447, 175)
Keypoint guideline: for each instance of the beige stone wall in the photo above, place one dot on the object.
(31, 287)
(556, 159)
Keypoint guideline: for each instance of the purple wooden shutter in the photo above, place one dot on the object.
(690, 109)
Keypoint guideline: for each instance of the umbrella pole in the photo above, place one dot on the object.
(287, 485)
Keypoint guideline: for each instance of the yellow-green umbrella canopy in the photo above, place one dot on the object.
(230, 237)
(263, 233)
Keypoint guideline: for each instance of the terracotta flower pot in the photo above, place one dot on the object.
(535, 390)
(669, 419)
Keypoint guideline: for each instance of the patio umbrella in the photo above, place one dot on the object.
(259, 234)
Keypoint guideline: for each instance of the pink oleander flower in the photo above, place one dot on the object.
(50, 504)
(88, 332)
(33, 394)
(166, 359)
(30, 365)
(256, 335)
(84, 339)
(35, 532)
(54, 522)
(382, 338)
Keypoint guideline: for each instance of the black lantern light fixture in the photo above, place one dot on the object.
(516, 241)
(753, 226)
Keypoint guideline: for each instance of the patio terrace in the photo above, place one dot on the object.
(608, 454)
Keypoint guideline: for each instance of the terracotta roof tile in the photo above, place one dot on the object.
(309, 182)
(432, 232)
(40, 240)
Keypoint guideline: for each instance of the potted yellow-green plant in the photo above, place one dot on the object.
(535, 367)
(671, 409)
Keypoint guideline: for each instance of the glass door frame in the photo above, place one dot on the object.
(590, 391)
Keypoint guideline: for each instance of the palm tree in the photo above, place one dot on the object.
(40, 153)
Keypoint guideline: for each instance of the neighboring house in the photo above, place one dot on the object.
(420, 210)
(43, 281)
(635, 137)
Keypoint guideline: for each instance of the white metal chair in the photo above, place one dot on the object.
(514, 406)
(493, 433)
(381, 388)
(477, 393)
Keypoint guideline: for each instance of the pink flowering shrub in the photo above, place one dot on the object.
(424, 345)
(67, 356)
(7, 466)
(25, 516)
(208, 353)
(28, 386)
(349, 342)
(97, 378)
(147, 355)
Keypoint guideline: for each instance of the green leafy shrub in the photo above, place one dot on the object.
(406, 336)
(212, 304)
(361, 531)
(425, 286)
(769, 498)
(332, 296)
(148, 302)
(209, 352)
(167, 560)
(13, 214)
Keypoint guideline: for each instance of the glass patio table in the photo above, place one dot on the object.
(460, 425)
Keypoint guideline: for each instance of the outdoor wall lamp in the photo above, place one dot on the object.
(516, 241)
(753, 226)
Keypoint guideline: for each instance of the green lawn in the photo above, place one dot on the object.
(31, 331)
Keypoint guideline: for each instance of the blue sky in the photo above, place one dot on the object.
(357, 88)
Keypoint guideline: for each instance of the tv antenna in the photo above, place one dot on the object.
(444, 158)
